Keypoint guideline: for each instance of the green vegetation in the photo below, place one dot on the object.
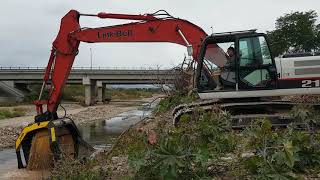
(9, 104)
(73, 93)
(76, 93)
(34, 94)
(77, 170)
(295, 32)
(170, 102)
(70, 93)
(280, 154)
(124, 94)
(15, 112)
(184, 152)
(204, 146)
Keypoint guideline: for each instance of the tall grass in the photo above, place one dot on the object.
(129, 93)
(76, 93)
(15, 112)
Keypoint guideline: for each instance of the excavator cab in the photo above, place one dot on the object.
(251, 68)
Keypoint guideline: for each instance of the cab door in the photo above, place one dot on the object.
(256, 68)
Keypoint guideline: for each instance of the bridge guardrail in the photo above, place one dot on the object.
(85, 68)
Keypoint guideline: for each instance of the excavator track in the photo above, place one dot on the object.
(244, 113)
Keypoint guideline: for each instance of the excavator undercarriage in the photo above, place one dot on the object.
(245, 111)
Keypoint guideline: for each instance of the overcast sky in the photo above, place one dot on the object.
(29, 27)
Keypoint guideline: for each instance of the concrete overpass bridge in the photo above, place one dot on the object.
(13, 80)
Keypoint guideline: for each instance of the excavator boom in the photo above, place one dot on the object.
(156, 27)
(149, 28)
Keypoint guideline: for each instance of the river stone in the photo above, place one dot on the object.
(115, 159)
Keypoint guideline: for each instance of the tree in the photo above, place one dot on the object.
(295, 32)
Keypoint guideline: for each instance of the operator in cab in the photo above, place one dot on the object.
(227, 71)
(231, 58)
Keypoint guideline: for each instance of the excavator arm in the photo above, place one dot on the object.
(157, 27)
(50, 133)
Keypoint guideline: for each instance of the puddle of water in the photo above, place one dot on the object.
(7, 160)
(101, 135)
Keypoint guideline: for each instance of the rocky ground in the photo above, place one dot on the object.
(8, 135)
(98, 112)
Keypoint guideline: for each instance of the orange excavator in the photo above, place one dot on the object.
(253, 74)
(51, 134)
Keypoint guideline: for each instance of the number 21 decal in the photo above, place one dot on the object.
(310, 83)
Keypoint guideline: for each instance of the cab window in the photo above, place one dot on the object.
(254, 57)
(254, 51)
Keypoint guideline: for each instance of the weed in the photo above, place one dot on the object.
(204, 145)
(77, 170)
(185, 152)
(73, 93)
(170, 102)
(129, 93)
(34, 94)
(280, 154)
(76, 93)
(15, 112)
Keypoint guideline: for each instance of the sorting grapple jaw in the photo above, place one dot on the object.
(45, 142)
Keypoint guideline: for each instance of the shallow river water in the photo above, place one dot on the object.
(102, 134)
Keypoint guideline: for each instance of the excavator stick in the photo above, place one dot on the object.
(44, 143)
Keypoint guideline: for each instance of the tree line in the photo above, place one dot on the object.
(296, 32)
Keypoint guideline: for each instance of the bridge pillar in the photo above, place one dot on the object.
(9, 93)
(100, 93)
(10, 83)
(89, 90)
(104, 92)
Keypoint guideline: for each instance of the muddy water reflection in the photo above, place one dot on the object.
(103, 134)
(7, 159)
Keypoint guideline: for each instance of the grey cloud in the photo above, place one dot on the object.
(27, 28)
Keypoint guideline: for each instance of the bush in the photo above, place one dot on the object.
(129, 93)
(73, 93)
(34, 94)
(15, 112)
(77, 170)
(70, 93)
(170, 102)
(280, 154)
(185, 152)
(204, 145)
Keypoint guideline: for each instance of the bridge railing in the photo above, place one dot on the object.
(86, 68)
